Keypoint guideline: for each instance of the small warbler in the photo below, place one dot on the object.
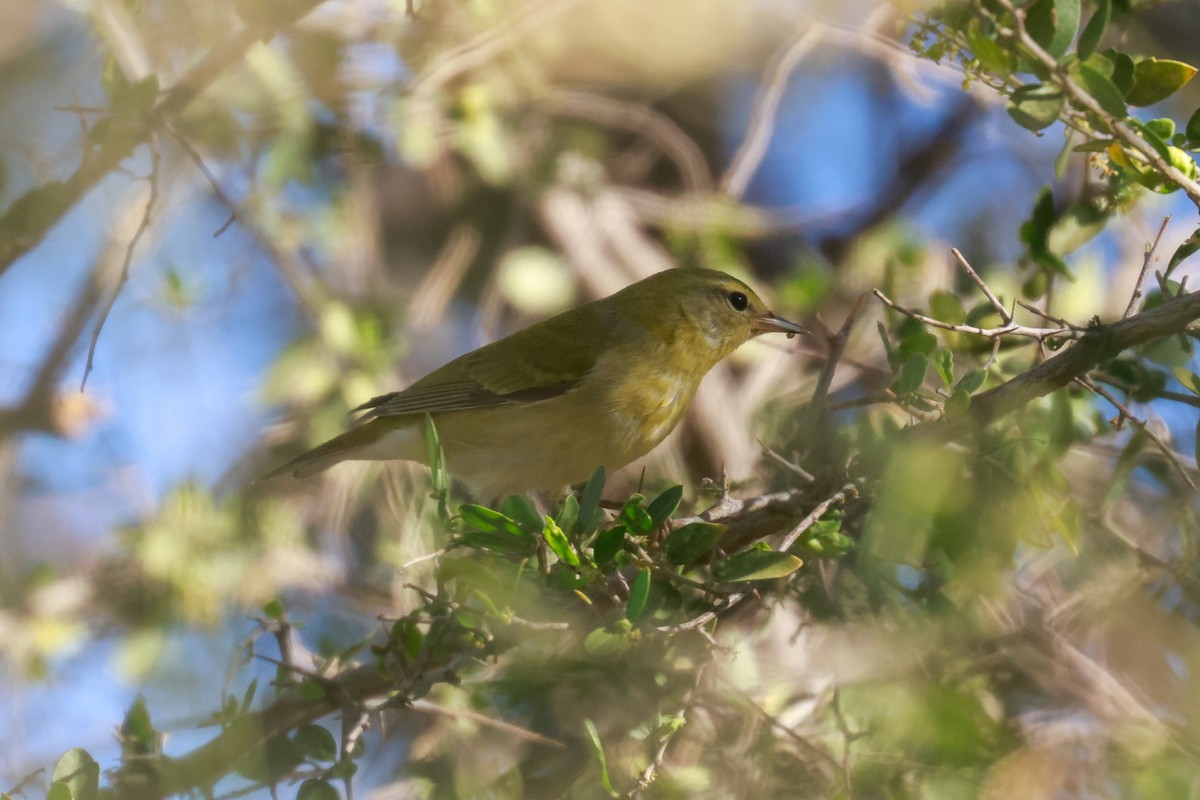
(600, 384)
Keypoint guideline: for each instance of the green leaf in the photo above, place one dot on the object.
(662, 507)
(991, 54)
(603, 642)
(634, 517)
(608, 544)
(1103, 90)
(1093, 146)
(1192, 129)
(920, 341)
(639, 593)
(1123, 69)
(316, 743)
(273, 609)
(79, 773)
(693, 541)
(756, 565)
(1189, 379)
(1188, 248)
(1162, 127)
(912, 374)
(1196, 443)
(487, 520)
(568, 515)
(437, 463)
(137, 733)
(943, 362)
(1064, 155)
(317, 789)
(589, 503)
(598, 751)
(1035, 107)
(972, 380)
(1052, 24)
(947, 307)
(1154, 80)
(1078, 225)
(1094, 30)
(559, 543)
(1036, 229)
(521, 511)
(486, 529)
(273, 759)
(957, 404)
(248, 696)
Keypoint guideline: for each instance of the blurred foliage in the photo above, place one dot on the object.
(892, 606)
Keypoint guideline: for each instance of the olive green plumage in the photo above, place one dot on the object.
(600, 384)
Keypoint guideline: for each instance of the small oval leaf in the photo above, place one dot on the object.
(756, 565)
(693, 541)
(1035, 107)
(1157, 79)
(639, 593)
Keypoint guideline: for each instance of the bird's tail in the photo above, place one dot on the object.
(321, 458)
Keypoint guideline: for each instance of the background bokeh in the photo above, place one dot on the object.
(333, 218)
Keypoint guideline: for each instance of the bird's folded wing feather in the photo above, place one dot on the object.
(545, 360)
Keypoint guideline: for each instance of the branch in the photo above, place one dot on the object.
(1096, 346)
(758, 133)
(1122, 131)
(27, 221)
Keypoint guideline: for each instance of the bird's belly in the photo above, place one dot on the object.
(557, 442)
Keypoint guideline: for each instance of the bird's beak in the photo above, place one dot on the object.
(769, 323)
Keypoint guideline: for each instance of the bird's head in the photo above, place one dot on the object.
(714, 308)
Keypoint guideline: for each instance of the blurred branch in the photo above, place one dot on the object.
(142, 225)
(34, 411)
(641, 119)
(1125, 414)
(27, 221)
(750, 154)
(288, 261)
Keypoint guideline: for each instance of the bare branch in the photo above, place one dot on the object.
(1146, 263)
(983, 287)
(745, 162)
(21, 232)
(142, 226)
(1008, 329)
(1093, 348)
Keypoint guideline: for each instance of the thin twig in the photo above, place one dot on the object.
(837, 345)
(749, 155)
(1008, 329)
(1147, 261)
(1171, 456)
(638, 118)
(104, 160)
(847, 492)
(1032, 309)
(983, 287)
(428, 707)
(143, 226)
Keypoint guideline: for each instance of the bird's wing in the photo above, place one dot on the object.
(545, 360)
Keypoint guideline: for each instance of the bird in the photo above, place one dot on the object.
(600, 384)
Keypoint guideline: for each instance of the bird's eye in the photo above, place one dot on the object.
(738, 300)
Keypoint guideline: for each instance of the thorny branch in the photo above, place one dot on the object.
(20, 233)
